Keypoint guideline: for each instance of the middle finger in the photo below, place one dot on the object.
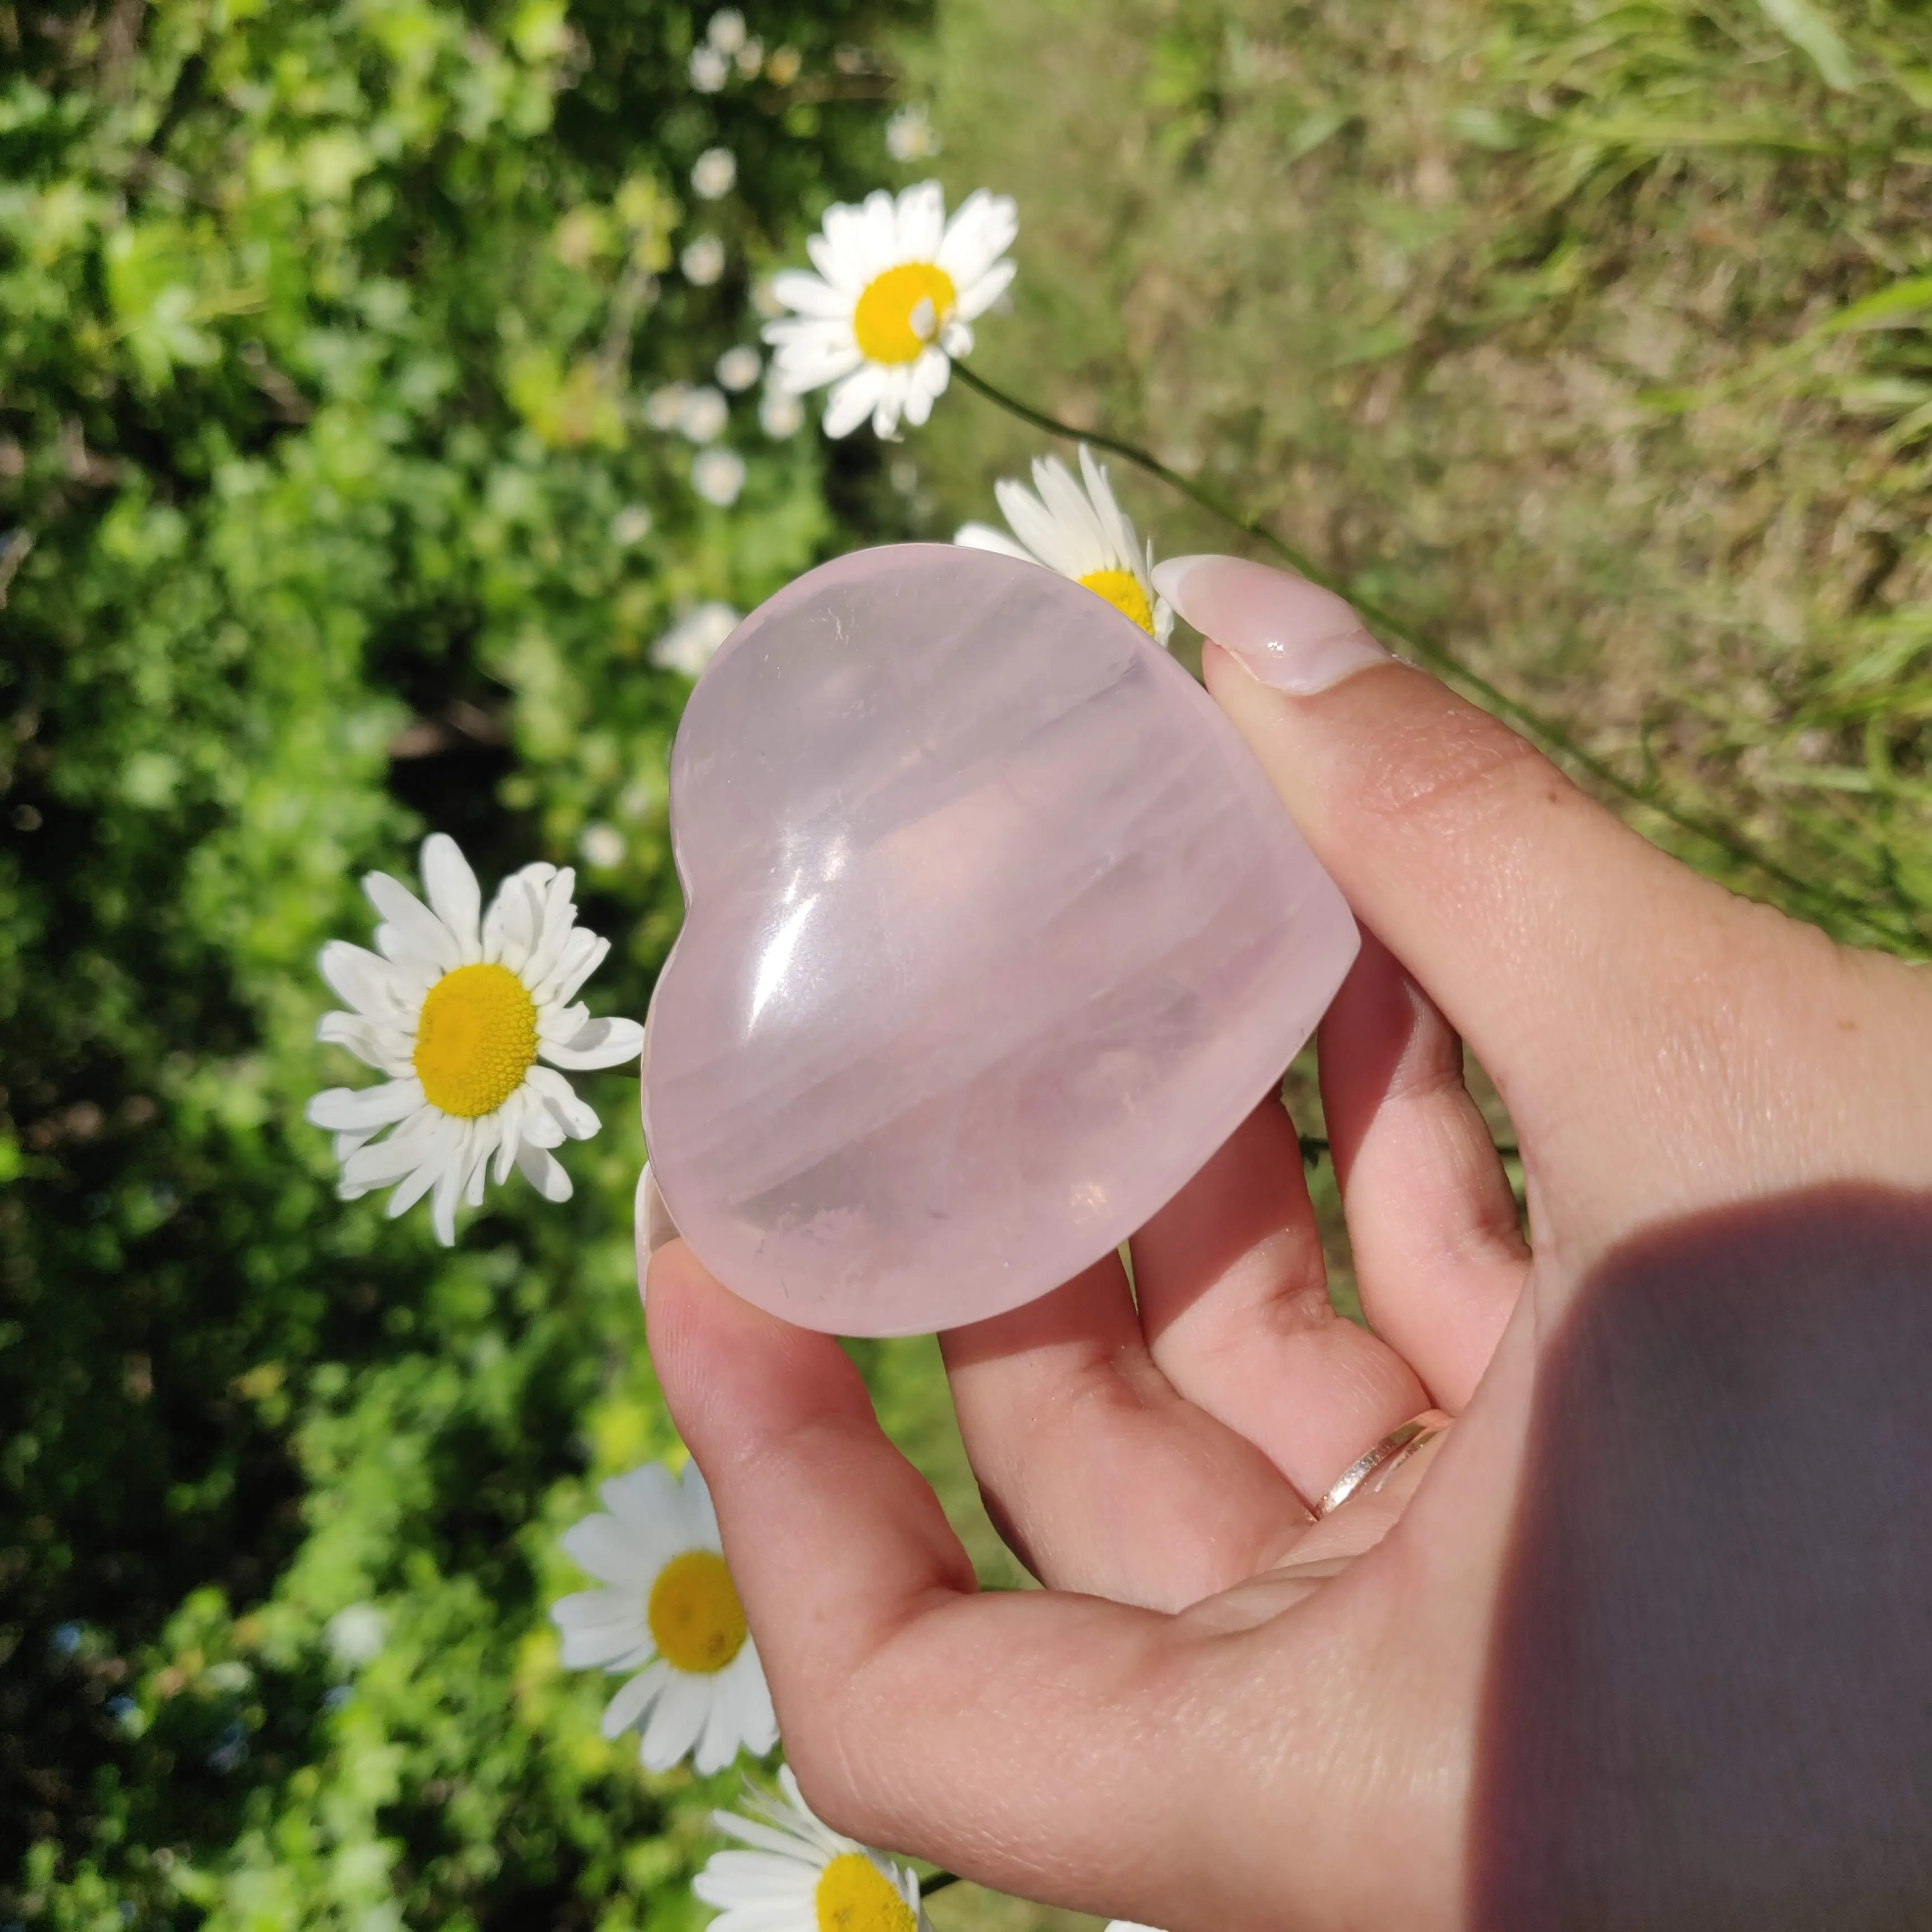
(1234, 1299)
(1101, 1477)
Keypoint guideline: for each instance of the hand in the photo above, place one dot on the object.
(1481, 1709)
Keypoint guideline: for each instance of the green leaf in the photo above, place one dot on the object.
(1812, 33)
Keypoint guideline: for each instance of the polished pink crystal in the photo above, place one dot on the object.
(995, 932)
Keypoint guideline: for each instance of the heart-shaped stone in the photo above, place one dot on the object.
(995, 932)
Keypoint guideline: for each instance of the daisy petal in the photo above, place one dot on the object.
(510, 929)
(542, 1171)
(453, 892)
(699, 1511)
(1079, 522)
(1034, 524)
(808, 295)
(582, 952)
(449, 1184)
(886, 412)
(444, 1142)
(676, 1723)
(602, 1042)
(363, 1109)
(980, 295)
(413, 922)
(926, 382)
(555, 918)
(983, 536)
(600, 1609)
(634, 1700)
(482, 1145)
(922, 214)
(404, 1150)
(360, 1037)
(851, 402)
(366, 980)
(983, 227)
(1113, 519)
(577, 1119)
(718, 1741)
(601, 1545)
(594, 1648)
(645, 1500)
(760, 1720)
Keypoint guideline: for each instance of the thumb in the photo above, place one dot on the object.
(1545, 929)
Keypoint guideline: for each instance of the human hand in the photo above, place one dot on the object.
(1620, 1653)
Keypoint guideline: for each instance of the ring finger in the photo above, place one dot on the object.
(1233, 1300)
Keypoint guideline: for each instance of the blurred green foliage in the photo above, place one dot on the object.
(327, 515)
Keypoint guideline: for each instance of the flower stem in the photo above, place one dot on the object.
(1823, 900)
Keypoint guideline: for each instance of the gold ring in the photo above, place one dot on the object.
(1384, 1459)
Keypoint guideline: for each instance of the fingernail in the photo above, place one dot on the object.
(1291, 634)
(653, 1224)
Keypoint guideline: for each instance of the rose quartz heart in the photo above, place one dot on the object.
(994, 933)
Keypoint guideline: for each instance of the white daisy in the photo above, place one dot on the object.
(780, 414)
(602, 845)
(714, 173)
(708, 67)
(897, 286)
(910, 133)
(703, 261)
(739, 367)
(665, 407)
(1083, 534)
(702, 413)
(691, 643)
(801, 1876)
(726, 30)
(718, 475)
(459, 1012)
(630, 525)
(670, 1605)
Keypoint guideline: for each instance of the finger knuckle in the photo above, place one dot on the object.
(1446, 771)
(830, 1781)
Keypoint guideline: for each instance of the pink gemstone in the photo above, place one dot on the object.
(995, 932)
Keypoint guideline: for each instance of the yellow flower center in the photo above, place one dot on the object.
(853, 1895)
(696, 1618)
(475, 1039)
(901, 311)
(1122, 590)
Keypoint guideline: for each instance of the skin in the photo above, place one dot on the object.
(1219, 1714)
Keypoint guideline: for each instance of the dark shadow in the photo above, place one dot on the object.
(1710, 1702)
